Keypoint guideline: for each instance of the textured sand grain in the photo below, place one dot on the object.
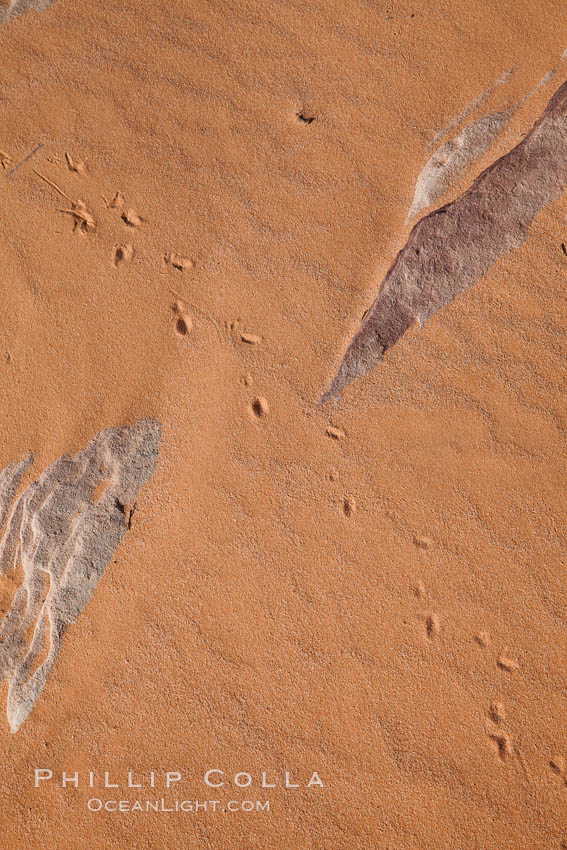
(245, 621)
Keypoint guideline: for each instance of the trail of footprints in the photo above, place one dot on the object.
(84, 222)
(348, 502)
(496, 713)
(501, 739)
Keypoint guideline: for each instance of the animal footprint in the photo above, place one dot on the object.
(501, 740)
(260, 407)
(335, 433)
(508, 664)
(5, 160)
(123, 254)
(117, 202)
(497, 712)
(131, 218)
(557, 764)
(503, 743)
(78, 166)
(83, 220)
(432, 626)
(251, 339)
(423, 542)
(183, 321)
(178, 262)
(419, 590)
(349, 506)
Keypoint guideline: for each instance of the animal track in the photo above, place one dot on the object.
(419, 590)
(349, 506)
(503, 744)
(251, 339)
(78, 166)
(178, 262)
(181, 326)
(83, 220)
(123, 254)
(508, 664)
(335, 433)
(131, 218)
(497, 712)
(117, 202)
(183, 321)
(432, 626)
(501, 739)
(260, 407)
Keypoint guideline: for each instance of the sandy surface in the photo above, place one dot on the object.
(388, 608)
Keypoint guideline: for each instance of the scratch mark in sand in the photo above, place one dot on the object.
(19, 165)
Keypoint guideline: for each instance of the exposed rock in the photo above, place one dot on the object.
(452, 159)
(63, 538)
(17, 7)
(448, 250)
